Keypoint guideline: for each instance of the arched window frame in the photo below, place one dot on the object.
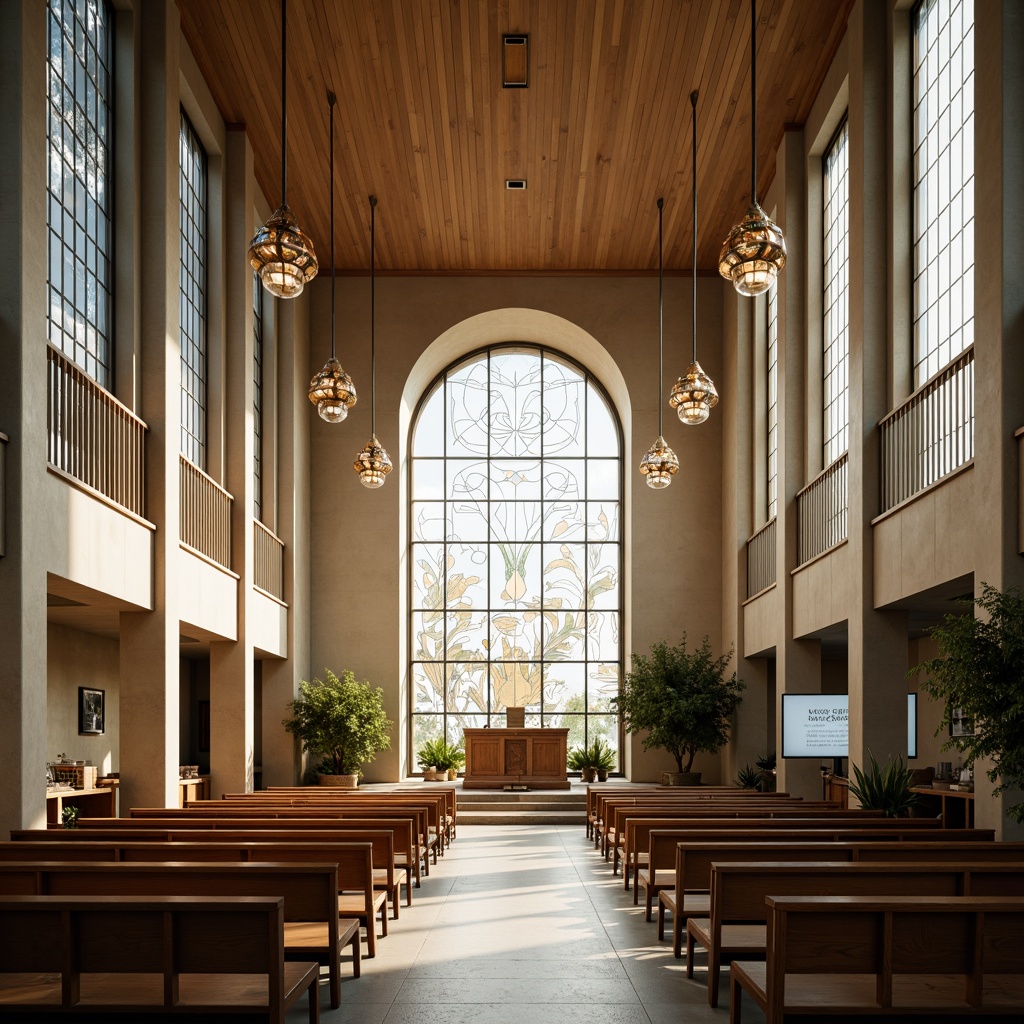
(594, 717)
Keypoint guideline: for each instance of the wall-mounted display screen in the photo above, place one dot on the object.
(818, 725)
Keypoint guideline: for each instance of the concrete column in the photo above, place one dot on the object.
(877, 640)
(797, 662)
(231, 662)
(23, 417)
(280, 756)
(999, 321)
(149, 698)
(750, 737)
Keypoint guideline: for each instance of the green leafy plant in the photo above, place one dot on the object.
(441, 755)
(885, 789)
(341, 721)
(979, 673)
(766, 765)
(69, 817)
(748, 777)
(598, 756)
(681, 699)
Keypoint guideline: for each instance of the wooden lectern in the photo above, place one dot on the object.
(515, 757)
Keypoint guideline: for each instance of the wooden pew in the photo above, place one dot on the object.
(357, 896)
(295, 825)
(326, 804)
(690, 892)
(312, 928)
(608, 832)
(150, 955)
(736, 928)
(447, 791)
(391, 840)
(634, 827)
(596, 795)
(900, 955)
(613, 831)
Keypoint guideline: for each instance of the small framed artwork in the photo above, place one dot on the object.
(960, 724)
(91, 713)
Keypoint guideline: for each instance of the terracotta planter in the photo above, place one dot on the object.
(339, 781)
(588, 774)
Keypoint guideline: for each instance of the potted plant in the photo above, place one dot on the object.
(979, 673)
(682, 701)
(766, 768)
(441, 760)
(748, 777)
(885, 789)
(593, 762)
(341, 721)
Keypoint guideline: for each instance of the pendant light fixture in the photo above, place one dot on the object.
(281, 252)
(372, 463)
(755, 250)
(694, 394)
(660, 462)
(332, 390)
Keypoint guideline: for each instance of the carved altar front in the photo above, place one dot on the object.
(507, 757)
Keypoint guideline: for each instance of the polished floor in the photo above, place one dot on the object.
(524, 924)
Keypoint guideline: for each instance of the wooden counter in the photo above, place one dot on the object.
(516, 757)
(955, 807)
(190, 790)
(91, 803)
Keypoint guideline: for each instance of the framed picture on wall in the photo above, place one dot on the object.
(91, 714)
(960, 724)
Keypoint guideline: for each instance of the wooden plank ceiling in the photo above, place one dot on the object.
(603, 129)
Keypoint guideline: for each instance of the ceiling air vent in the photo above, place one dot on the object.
(513, 184)
(514, 62)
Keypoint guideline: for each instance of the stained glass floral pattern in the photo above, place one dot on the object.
(516, 548)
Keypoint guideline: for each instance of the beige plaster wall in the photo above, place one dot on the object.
(77, 659)
(610, 324)
(927, 541)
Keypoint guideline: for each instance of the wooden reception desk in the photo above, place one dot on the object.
(515, 757)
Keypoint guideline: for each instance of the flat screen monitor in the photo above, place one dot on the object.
(818, 725)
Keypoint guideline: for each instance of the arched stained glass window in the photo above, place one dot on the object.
(516, 560)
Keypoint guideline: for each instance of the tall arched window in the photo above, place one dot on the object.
(516, 502)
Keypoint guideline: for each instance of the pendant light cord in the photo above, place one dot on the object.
(373, 353)
(661, 323)
(753, 102)
(693, 105)
(284, 103)
(332, 99)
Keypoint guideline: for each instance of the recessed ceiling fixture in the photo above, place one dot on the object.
(694, 394)
(755, 250)
(281, 252)
(372, 463)
(332, 390)
(515, 62)
(660, 462)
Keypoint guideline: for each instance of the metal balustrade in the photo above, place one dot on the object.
(930, 435)
(268, 561)
(761, 559)
(93, 438)
(821, 511)
(204, 514)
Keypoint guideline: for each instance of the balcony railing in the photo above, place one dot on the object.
(930, 435)
(204, 514)
(821, 507)
(93, 438)
(268, 561)
(761, 559)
